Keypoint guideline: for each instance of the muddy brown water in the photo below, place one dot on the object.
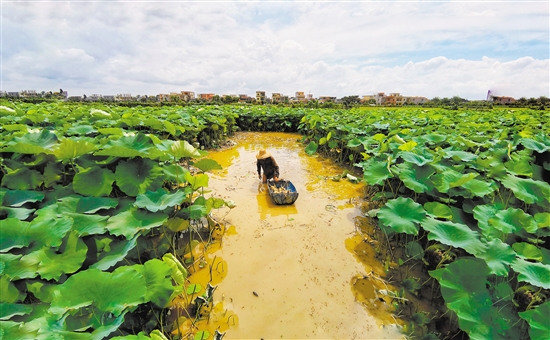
(288, 272)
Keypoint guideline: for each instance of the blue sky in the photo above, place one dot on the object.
(425, 48)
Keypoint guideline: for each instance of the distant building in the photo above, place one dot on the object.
(276, 98)
(300, 97)
(324, 99)
(416, 100)
(123, 97)
(502, 100)
(206, 96)
(394, 99)
(260, 97)
(187, 95)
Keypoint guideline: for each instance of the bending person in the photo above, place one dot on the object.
(267, 163)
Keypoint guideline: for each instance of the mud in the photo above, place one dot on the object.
(290, 270)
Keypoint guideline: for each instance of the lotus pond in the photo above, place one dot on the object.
(116, 222)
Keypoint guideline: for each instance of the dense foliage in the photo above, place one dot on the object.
(95, 197)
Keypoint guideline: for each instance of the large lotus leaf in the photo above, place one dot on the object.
(414, 250)
(520, 165)
(416, 178)
(86, 319)
(513, 220)
(537, 274)
(431, 138)
(18, 213)
(408, 146)
(111, 131)
(53, 173)
(402, 214)
(70, 149)
(159, 200)
(376, 172)
(182, 149)
(49, 227)
(68, 259)
(417, 159)
(109, 292)
(197, 181)
(480, 188)
(450, 179)
(16, 331)
(15, 234)
(132, 221)
(112, 251)
(528, 251)
(463, 286)
(158, 280)
(459, 156)
(22, 179)
(16, 198)
(41, 290)
(438, 210)
(311, 148)
(498, 256)
(542, 219)
(454, 234)
(493, 166)
(527, 190)
(483, 213)
(137, 145)
(33, 143)
(140, 336)
(537, 146)
(178, 272)
(8, 310)
(205, 165)
(80, 130)
(91, 205)
(175, 173)
(8, 292)
(94, 181)
(17, 267)
(137, 176)
(539, 327)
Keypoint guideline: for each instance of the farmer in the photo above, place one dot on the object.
(266, 162)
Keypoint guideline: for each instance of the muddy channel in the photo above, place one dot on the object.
(289, 270)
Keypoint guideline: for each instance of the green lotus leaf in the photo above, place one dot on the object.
(454, 234)
(139, 336)
(68, 259)
(480, 188)
(416, 178)
(417, 159)
(513, 220)
(483, 213)
(182, 149)
(178, 271)
(70, 149)
(214, 203)
(493, 166)
(102, 180)
(408, 146)
(527, 190)
(539, 327)
(542, 219)
(431, 138)
(52, 174)
(138, 175)
(15, 234)
(459, 156)
(311, 148)
(537, 274)
(158, 280)
(159, 200)
(414, 250)
(33, 143)
(527, 251)
(535, 145)
(22, 179)
(520, 165)
(81, 130)
(438, 210)
(112, 131)
(450, 179)
(133, 221)
(498, 256)
(49, 228)
(18, 213)
(41, 290)
(17, 267)
(16, 198)
(137, 145)
(175, 173)
(91, 205)
(109, 292)
(205, 165)
(376, 173)
(16, 331)
(402, 214)
(8, 292)
(84, 224)
(113, 251)
(197, 181)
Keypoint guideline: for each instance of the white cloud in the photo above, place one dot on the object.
(338, 49)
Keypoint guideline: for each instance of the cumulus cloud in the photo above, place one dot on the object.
(337, 49)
